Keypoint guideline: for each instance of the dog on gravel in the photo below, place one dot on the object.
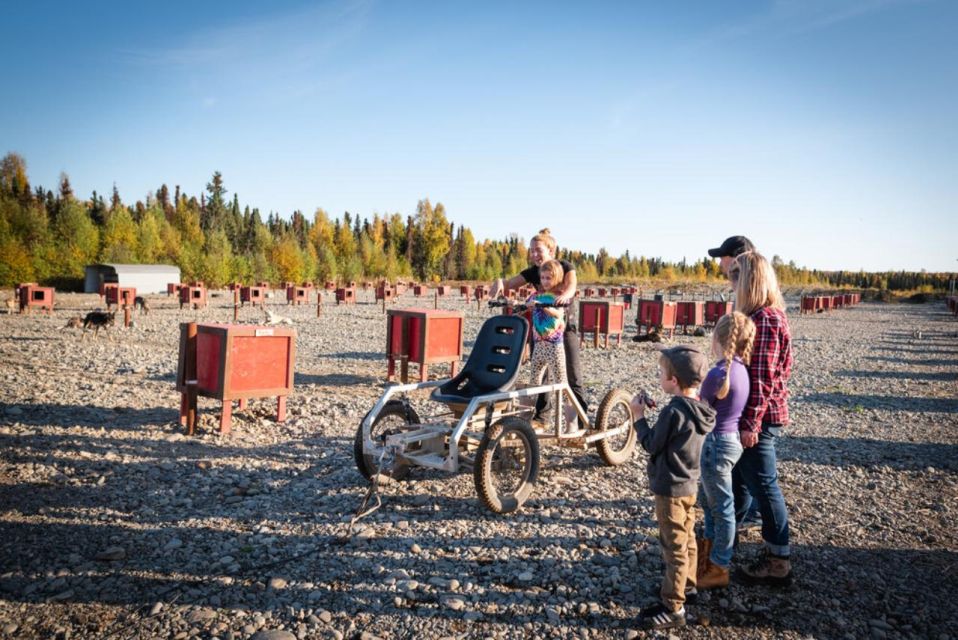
(11, 305)
(142, 304)
(75, 322)
(97, 319)
(275, 318)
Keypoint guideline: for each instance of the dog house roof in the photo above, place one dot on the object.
(141, 268)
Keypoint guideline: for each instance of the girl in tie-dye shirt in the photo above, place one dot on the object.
(548, 325)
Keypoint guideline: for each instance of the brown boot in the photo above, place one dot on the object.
(713, 576)
(704, 546)
(770, 569)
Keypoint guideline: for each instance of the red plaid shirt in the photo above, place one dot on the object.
(768, 371)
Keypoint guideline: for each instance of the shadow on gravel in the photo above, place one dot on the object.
(888, 403)
(917, 362)
(348, 578)
(354, 355)
(941, 376)
(46, 414)
(842, 452)
(337, 379)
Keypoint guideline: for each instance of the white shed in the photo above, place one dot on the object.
(147, 278)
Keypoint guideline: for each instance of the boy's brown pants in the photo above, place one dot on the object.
(676, 518)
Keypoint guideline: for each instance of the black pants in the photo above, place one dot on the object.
(570, 342)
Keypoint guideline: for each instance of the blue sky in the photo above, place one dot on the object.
(824, 130)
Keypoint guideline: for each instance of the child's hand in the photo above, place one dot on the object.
(637, 404)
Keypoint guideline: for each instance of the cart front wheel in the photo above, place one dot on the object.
(507, 465)
(394, 418)
(614, 412)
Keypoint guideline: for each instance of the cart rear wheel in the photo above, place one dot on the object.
(507, 465)
(394, 417)
(613, 413)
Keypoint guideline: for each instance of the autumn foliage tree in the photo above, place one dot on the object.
(51, 235)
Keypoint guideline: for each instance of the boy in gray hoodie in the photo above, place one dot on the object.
(675, 447)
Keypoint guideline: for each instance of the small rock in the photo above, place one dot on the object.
(200, 615)
(273, 634)
(111, 553)
(276, 584)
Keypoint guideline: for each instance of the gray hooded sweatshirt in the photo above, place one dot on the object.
(675, 445)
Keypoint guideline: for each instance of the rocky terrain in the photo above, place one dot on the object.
(115, 524)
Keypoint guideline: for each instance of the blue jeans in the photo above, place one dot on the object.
(756, 471)
(720, 452)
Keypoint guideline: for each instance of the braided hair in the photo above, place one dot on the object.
(735, 333)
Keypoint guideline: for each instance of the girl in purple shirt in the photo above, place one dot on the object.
(726, 389)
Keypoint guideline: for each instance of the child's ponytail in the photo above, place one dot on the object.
(735, 333)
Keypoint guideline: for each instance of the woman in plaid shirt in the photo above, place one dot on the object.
(766, 412)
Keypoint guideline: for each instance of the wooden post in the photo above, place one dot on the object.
(384, 300)
(436, 301)
(191, 381)
(319, 304)
(598, 319)
(126, 316)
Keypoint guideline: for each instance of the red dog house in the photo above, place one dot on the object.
(235, 362)
(690, 313)
(424, 337)
(346, 295)
(442, 290)
(120, 296)
(419, 289)
(715, 309)
(601, 318)
(589, 292)
(253, 295)
(193, 296)
(107, 287)
(32, 296)
(385, 293)
(656, 314)
(465, 291)
(297, 295)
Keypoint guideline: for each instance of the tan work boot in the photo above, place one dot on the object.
(704, 546)
(770, 569)
(712, 576)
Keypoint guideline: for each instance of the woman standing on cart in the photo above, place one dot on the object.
(542, 248)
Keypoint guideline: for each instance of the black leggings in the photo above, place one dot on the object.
(570, 341)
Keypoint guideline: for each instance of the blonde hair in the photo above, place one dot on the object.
(735, 333)
(756, 286)
(545, 237)
(554, 267)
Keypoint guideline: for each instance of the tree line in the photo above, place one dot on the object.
(50, 236)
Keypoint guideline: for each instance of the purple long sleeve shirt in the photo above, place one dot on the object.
(729, 409)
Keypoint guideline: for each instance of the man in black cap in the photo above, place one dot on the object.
(731, 249)
(747, 515)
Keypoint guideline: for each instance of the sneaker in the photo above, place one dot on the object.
(769, 569)
(658, 617)
(713, 576)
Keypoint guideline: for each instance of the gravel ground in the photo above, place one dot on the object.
(114, 524)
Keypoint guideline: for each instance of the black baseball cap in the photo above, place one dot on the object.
(732, 247)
